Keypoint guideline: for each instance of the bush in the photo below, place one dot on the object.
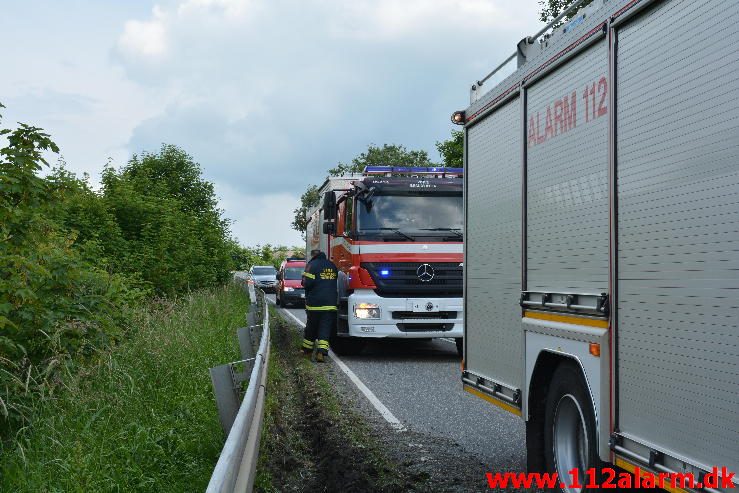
(73, 261)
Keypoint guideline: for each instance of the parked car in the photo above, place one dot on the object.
(289, 278)
(263, 277)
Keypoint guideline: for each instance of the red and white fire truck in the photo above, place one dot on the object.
(602, 243)
(395, 234)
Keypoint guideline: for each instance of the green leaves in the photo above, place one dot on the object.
(308, 200)
(550, 9)
(452, 150)
(387, 155)
(74, 261)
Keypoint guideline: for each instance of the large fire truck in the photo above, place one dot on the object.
(395, 234)
(602, 241)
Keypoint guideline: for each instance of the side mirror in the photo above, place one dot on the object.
(329, 228)
(329, 206)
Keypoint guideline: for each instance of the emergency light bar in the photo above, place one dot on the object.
(412, 170)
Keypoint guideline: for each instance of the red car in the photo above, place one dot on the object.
(289, 288)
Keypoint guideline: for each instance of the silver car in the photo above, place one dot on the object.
(264, 277)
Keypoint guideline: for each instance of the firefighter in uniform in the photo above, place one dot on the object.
(321, 297)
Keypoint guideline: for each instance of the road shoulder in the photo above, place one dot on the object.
(417, 461)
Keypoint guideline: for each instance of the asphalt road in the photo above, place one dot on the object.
(419, 382)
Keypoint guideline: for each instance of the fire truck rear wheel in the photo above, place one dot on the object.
(347, 346)
(569, 424)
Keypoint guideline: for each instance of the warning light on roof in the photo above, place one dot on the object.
(440, 171)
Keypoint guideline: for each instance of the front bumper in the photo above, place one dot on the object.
(267, 287)
(398, 318)
(297, 296)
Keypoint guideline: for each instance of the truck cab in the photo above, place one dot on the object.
(395, 235)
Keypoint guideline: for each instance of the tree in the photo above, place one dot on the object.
(387, 155)
(452, 150)
(174, 236)
(308, 201)
(550, 9)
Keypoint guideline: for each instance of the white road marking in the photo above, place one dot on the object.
(381, 408)
(297, 320)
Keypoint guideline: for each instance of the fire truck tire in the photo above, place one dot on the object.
(460, 345)
(347, 346)
(569, 427)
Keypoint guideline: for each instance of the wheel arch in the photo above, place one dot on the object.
(547, 362)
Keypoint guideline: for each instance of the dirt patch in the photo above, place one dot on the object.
(438, 463)
(311, 442)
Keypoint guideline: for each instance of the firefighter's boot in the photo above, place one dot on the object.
(307, 348)
(321, 350)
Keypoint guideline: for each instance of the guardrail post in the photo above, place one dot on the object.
(245, 342)
(227, 400)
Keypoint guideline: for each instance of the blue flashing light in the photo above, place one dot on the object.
(378, 169)
(385, 272)
(413, 169)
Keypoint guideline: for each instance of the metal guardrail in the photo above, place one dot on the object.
(236, 467)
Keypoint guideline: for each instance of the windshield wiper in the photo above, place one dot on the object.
(455, 231)
(394, 230)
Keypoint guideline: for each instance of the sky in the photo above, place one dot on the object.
(266, 95)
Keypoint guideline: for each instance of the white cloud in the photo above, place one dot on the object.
(265, 94)
(269, 94)
(145, 38)
(390, 19)
(260, 219)
(232, 10)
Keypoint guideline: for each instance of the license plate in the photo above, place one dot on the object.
(302, 295)
(423, 306)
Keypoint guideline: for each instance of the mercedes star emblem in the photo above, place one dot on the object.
(429, 306)
(425, 273)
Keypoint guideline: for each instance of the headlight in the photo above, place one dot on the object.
(367, 311)
(287, 289)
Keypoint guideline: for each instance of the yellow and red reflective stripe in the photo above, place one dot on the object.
(567, 319)
(492, 400)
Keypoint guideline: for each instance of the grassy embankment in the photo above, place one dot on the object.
(140, 417)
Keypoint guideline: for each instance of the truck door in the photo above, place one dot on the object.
(492, 264)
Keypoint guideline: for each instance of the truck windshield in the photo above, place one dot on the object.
(293, 273)
(411, 215)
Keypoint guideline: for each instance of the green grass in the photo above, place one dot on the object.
(140, 417)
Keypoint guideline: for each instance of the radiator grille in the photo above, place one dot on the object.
(403, 278)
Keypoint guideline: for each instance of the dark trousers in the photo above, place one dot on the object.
(319, 325)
